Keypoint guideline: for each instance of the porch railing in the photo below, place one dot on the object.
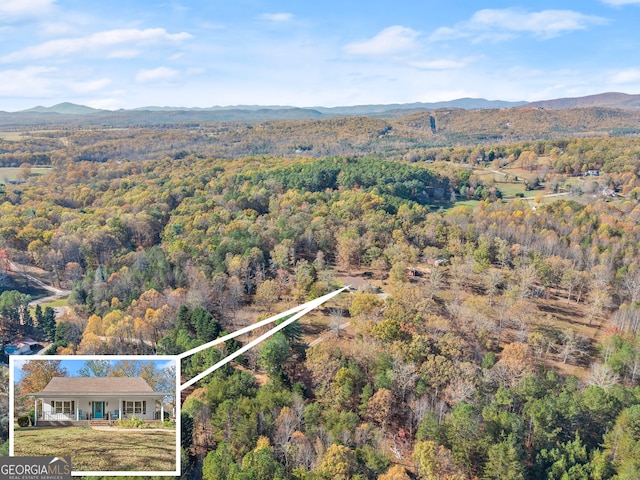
(60, 417)
(77, 416)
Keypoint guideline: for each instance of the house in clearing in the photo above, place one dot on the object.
(68, 400)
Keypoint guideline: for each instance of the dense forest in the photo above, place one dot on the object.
(490, 335)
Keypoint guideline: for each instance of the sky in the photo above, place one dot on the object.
(123, 54)
(73, 365)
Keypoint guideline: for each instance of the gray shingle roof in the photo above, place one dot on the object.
(96, 385)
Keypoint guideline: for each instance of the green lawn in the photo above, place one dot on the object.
(61, 302)
(467, 203)
(510, 189)
(99, 450)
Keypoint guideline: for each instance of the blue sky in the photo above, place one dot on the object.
(124, 54)
(73, 365)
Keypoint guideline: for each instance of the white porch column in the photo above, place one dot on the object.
(162, 411)
(77, 409)
(35, 417)
(119, 409)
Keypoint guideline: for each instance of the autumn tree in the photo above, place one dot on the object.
(95, 368)
(380, 407)
(395, 472)
(339, 463)
(267, 294)
(36, 375)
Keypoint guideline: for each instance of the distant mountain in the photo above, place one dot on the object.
(125, 118)
(73, 114)
(465, 103)
(608, 100)
(247, 108)
(64, 108)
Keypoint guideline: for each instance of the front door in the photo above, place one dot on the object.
(98, 408)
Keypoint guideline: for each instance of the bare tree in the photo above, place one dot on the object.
(404, 376)
(232, 296)
(492, 281)
(570, 280)
(418, 408)
(599, 301)
(630, 283)
(526, 278)
(573, 346)
(336, 322)
(602, 376)
(436, 281)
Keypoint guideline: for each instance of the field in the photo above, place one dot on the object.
(101, 450)
(12, 173)
(60, 302)
(13, 136)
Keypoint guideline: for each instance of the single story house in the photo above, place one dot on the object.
(22, 346)
(97, 398)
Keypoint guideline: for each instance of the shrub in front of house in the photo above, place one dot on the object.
(132, 422)
(24, 421)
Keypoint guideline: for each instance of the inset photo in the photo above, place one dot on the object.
(110, 415)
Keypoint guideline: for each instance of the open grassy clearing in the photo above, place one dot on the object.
(13, 136)
(60, 302)
(467, 203)
(12, 173)
(99, 450)
(511, 189)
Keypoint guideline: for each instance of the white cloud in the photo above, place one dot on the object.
(391, 40)
(19, 9)
(442, 64)
(160, 74)
(196, 71)
(502, 24)
(630, 75)
(37, 81)
(618, 3)
(169, 364)
(106, 103)
(88, 86)
(107, 40)
(277, 17)
(29, 81)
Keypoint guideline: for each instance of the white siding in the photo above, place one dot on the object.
(49, 413)
(141, 407)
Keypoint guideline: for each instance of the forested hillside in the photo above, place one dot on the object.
(74, 142)
(490, 335)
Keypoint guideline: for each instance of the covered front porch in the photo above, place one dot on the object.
(102, 408)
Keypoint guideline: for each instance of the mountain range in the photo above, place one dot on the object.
(70, 113)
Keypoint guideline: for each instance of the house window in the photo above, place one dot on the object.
(67, 407)
(131, 408)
